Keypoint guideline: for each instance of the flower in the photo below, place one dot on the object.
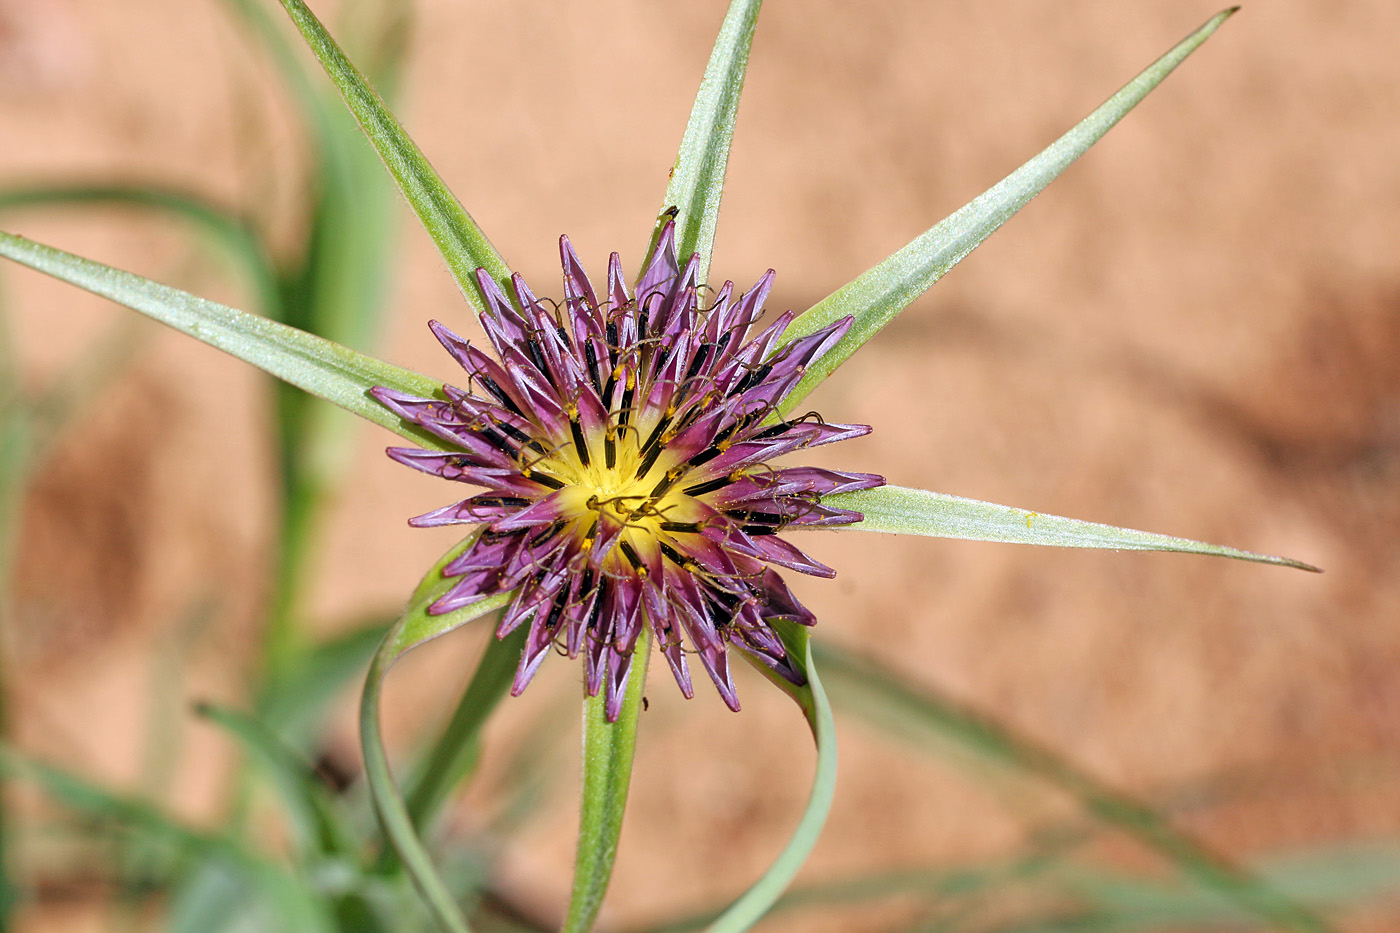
(624, 446)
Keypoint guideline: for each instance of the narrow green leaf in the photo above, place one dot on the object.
(1330, 878)
(284, 897)
(881, 292)
(284, 59)
(230, 231)
(904, 511)
(942, 884)
(461, 242)
(314, 364)
(210, 896)
(608, 750)
(413, 628)
(293, 704)
(811, 698)
(453, 753)
(697, 179)
(928, 721)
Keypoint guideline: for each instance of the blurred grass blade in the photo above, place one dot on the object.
(941, 884)
(289, 68)
(904, 511)
(316, 827)
(452, 756)
(335, 287)
(1338, 875)
(413, 628)
(1344, 878)
(460, 241)
(929, 721)
(321, 367)
(608, 750)
(284, 899)
(881, 292)
(697, 179)
(755, 903)
(293, 704)
(230, 231)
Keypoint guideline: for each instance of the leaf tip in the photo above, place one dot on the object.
(1293, 564)
(1222, 16)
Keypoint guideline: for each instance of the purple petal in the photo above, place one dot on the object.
(545, 511)
(487, 507)
(661, 272)
(777, 551)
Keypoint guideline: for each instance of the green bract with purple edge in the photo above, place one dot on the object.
(623, 441)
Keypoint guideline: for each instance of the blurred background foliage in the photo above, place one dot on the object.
(222, 791)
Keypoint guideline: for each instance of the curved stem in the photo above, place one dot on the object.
(414, 627)
(759, 899)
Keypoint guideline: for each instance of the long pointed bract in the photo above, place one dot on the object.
(319, 366)
(464, 247)
(900, 510)
(881, 292)
(697, 179)
(413, 628)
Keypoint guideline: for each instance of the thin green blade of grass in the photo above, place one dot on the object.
(293, 705)
(286, 897)
(876, 296)
(335, 288)
(905, 511)
(927, 720)
(317, 828)
(1332, 878)
(452, 755)
(464, 247)
(532, 773)
(697, 177)
(316, 365)
(225, 227)
(942, 884)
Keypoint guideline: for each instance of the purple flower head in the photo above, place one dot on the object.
(623, 443)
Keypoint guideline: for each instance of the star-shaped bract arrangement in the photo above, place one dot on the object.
(624, 443)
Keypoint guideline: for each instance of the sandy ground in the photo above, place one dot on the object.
(1196, 330)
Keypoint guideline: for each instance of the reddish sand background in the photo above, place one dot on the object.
(1196, 330)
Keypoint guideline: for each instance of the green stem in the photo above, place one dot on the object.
(608, 750)
(811, 698)
(393, 814)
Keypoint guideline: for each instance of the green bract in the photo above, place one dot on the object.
(344, 377)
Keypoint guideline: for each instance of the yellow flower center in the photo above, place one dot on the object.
(615, 483)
